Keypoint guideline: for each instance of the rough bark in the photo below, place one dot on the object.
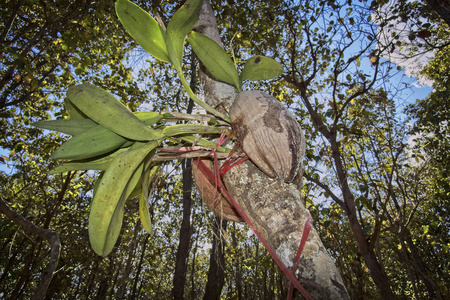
(216, 272)
(45, 234)
(275, 209)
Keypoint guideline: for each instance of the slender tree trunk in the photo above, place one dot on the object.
(237, 265)
(216, 273)
(376, 271)
(88, 290)
(194, 289)
(431, 286)
(26, 271)
(139, 268)
(348, 205)
(179, 277)
(129, 264)
(103, 289)
(11, 262)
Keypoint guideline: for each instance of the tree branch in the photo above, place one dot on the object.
(46, 234)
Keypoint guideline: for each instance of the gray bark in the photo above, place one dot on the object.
(275, 208)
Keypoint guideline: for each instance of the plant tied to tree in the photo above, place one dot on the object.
(127, 148)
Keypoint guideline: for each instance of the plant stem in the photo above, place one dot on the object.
(200, 102)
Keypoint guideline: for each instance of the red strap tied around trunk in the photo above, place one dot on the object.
(231, 161)
(218, 175)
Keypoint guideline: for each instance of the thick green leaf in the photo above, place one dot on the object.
(101, 163)
(91, 143)
(67, 126)
(144, 215)
(215, 59)
(178, 28)
(143, 28)
(191, 128)
(261, 68)
(74, 113)
(103, 108)
(117, 183)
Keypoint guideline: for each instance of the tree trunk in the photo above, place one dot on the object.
(139, 268)
(103, 289)
(277, 212)
(129, 264)
(348, 205)
(275, 208)
(237, 265)
(179, 277)
(216, 273)
(376, 270)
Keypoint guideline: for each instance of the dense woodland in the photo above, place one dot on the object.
(376, 170)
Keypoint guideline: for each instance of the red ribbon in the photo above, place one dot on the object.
(231, 161)
(290, 274)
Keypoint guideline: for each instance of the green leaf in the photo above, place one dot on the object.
(117, 183)
(181, 24)
(69, 126)
(144, 215)
(103, 108)
(150, 118)
(143, 28)
(96, 163)
(191, 128)
(214, 58)
(74, 113)
(261, 68)
(93, 142)
(202, 142)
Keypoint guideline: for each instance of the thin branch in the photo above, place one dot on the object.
(327, 189)
(49, 235)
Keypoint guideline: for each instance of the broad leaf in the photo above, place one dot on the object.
(96, 163)
(117, 183)
(215, 59)
(103, 108)
(67, 126)
(178, 28)
(144, 215)
(143, 28)
(191, 128)
(93, 142)
(261, 68)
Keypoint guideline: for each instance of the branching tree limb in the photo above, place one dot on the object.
(45, 234)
